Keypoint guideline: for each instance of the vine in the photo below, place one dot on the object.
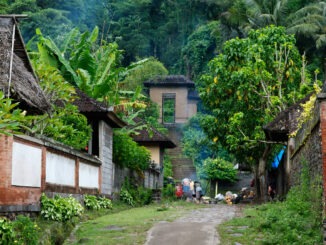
(307, 110)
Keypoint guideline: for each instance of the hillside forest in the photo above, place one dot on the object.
(184, 35)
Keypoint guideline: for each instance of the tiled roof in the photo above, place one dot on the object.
(94, 109)
(152, 135)
(285, 123)
(88, 104)
(172, 80)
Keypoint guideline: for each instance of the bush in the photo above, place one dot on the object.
(6, 232)
(126, 197)
(26, 231)
(218, 169)
(96, 203)
(59, 208)
(140, 195)
(169, 192)
(127, 153)
(145, 196)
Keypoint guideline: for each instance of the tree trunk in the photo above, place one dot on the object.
(260, 172)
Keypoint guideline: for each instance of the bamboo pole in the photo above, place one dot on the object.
(11, 57)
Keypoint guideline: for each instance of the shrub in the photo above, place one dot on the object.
(127, 153)
(169, 192)
(96, 203)
(105, 202)
(59, 208)
(126, 197)
(6, 232)
(26, 231)
(218, 169)
(140, 195)
(91, 202)
(144, 196)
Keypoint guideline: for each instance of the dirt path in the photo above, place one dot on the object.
(197, 227)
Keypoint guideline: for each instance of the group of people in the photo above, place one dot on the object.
(189, 189)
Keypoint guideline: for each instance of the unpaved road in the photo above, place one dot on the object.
(196, 228)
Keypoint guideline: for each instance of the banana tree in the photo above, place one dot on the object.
(93, 69)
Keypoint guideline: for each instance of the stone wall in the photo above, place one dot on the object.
(150, 178)
(309, 152)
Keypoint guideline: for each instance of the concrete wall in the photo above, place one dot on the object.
(32, 166)
(105, 154)
(182, 112)
(155, 154)
(26, 165)
(60, 170)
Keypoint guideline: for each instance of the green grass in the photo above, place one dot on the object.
(128, 226)
(295, 221)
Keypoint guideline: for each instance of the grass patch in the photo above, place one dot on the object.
(297, 220)
(128, 226)
(54, 232)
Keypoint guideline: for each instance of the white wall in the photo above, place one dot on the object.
(26, 165)
(88, 175)
(60, 170)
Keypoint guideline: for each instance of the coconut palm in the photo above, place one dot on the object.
(244, 15)
(310, 23)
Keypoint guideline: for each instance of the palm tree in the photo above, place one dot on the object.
(310, 23)
(309, 26)
(262, 13)
(244, 15)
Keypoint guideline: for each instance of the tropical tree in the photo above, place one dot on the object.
(244, 15)
(143, 72)
(308, 24)
(11, 117)
(247, 86)
(200, 48)
(63, 122)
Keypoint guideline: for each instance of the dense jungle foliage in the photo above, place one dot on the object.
(184, 35)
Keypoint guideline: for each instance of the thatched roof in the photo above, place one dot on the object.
(95, 110)
(24, 86)
(152, 136)
(170, 81)
(285, 123)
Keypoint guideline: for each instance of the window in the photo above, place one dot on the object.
(168, 108)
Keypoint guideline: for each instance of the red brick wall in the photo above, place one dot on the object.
(12, 195)
(23, 196)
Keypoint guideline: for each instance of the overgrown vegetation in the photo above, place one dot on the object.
(297, 220)
(127, 153)
(169, 192)
(11, 117)
(135, 195)
(96, 203)
(6, 232)
(218, 169)
(59, 208)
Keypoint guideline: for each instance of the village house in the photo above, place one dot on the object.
(156, 143)
(305, 144)
(177, 100)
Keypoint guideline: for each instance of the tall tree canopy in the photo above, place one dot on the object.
(248, 85)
